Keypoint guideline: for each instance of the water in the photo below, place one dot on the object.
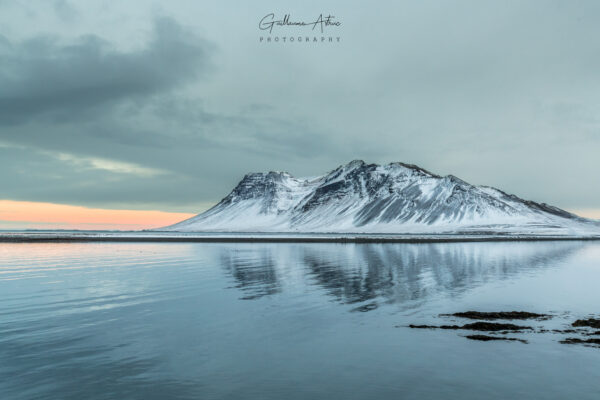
(289, 321)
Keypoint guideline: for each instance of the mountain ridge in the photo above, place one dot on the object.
(390, 198)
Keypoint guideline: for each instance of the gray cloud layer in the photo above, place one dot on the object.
(42, 78)
(87, 100)
(94, 111)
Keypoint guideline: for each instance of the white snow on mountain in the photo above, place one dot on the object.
(370, 198)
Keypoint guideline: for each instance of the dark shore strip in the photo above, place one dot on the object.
(25, 238)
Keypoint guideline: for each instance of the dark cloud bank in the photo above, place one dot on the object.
(42, 78)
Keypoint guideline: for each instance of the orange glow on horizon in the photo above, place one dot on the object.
(38, 215)
(592, 213)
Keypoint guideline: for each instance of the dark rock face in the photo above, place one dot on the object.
(397, 194)
(267, 187)
(591, 322)
(509, 315)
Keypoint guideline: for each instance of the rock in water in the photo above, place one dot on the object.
(591, 322)
(509, 315)
(486, 338)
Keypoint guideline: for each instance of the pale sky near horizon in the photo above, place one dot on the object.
(140, 105)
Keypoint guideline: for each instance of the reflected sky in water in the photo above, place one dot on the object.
(272, 321)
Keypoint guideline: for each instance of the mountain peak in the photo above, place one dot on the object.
(361, 197)
(413, 167)
(355, 163)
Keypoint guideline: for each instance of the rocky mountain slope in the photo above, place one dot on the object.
(392, 198)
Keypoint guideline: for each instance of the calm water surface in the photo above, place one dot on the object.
(290, 321)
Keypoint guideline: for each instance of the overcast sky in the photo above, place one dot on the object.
(143, 105)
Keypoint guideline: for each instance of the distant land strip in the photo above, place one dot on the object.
(275, 238)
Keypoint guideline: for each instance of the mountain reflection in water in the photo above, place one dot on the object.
(388, 273)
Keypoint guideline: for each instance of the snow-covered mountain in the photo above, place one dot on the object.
(392, 198)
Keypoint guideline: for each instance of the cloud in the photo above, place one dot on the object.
(40, 175)
(43, 77)
(505, 96)
(118, 167)
(89, 163)
(90, 102)
(65, 10)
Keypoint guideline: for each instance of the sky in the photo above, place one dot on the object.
(153, 111)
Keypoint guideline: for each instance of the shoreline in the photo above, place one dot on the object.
(29, 237)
